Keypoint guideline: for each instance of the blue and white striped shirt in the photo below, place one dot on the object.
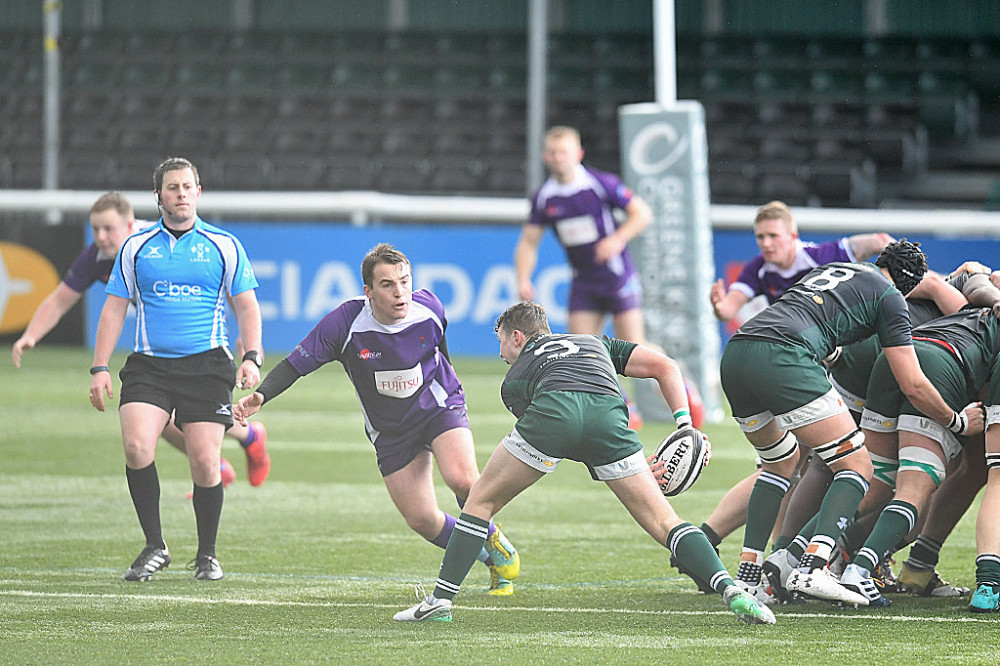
(179, 287)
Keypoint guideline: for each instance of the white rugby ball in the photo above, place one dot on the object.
(686, 452)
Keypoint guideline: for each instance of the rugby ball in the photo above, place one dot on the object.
(685, 453)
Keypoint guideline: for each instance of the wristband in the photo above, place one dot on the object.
(682, 418)
(99, 368)
(958, 424)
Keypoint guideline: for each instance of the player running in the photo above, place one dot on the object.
(392, 344)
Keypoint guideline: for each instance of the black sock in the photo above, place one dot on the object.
(207, 512)
(144, 486)
(713, 538)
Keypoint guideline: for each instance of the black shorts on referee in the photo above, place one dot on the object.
(197, 388)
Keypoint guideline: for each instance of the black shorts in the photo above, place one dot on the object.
(196, 388)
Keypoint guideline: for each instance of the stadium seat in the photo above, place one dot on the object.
(297, 172)
(507, 177)
(302, 77)
(153, 75)
(91, 76)
(351, 173)
(409, 175)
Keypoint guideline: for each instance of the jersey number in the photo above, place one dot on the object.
(829, 278)
(557, 348)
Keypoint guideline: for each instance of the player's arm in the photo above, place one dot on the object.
(647, 363)
(247, 311)
(726, 303)
(281, 377)
(865, 246)
(981, 292)
(971, 267)
(49, 313)
(922, 394)
(638, 217)
(933, 287)
(526, 258)
(109, 328)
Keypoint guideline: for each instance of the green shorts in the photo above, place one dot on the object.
(590, 428)
(945, 372)
(769, 377)
(883, 398)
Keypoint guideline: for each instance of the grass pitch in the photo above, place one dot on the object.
(317, 559)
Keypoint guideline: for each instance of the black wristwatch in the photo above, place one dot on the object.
(254, 355)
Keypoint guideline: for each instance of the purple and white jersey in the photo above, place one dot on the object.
(398, 371)
(92, 266)
(760, 277)
(580, 212)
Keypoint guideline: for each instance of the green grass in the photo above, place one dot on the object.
(317, 559)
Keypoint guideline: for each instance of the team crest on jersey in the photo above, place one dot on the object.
(200, 250)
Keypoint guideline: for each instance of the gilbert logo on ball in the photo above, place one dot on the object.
(685, 453)
(26, 278)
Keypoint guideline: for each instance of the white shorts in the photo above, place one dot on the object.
(823, 407)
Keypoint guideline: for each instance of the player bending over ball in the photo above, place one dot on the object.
(563, 389)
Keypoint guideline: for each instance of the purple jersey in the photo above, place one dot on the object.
(91, 266)
(581, 214)
(88, 268)
(398, 371)
(760, 277)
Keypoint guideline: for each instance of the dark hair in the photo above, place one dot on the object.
(527, 316)
(172, 164)
(383, 253)
(905, 262)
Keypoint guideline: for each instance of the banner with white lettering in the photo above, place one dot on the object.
(665, 161)
(306, 270)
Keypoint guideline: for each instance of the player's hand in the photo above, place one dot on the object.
(970, 421)
(247, 406)
(25, 342)
(248, 376)
(657, 468)
(717, 292)
(526, 291)
(971, 267)
(608, 248)
(100, 386)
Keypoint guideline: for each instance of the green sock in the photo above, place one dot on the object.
(464, 546)
(896, 520)
(762, 509)
(988, 570)
(693, 549)
(840, 503)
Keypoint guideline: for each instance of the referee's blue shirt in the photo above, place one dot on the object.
(179, 287)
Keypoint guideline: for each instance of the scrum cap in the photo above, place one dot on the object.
(905, 262)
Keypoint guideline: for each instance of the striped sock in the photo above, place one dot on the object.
(693, 550)
(896, 520)
(466, 542)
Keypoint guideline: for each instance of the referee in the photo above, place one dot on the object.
(179, 273)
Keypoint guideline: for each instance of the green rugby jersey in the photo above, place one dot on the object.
(833, 305)
(564, 362)
(974, 334)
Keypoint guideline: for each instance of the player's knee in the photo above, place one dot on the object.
(918, 459)
(843, 450)
(780, 457)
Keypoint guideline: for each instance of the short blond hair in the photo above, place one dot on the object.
(776, 210)
(562, 131)
(113, 201)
